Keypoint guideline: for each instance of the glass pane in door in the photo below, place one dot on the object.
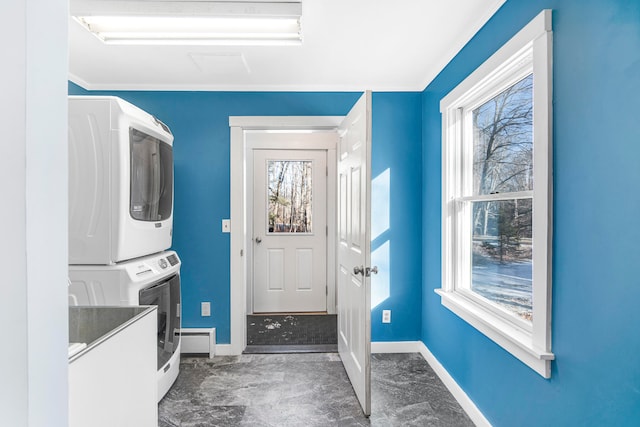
(151, 177)
(290, 196)
(166, 296)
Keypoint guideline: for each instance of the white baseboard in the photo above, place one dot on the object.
(198, 340)
(395, 347)
(226, 350)
(458, 393)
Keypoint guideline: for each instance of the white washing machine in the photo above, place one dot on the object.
(148, 280)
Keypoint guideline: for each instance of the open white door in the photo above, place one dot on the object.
(354, 248)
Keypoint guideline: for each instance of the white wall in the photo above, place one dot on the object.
(33, 212)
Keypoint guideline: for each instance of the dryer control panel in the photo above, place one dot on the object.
(152, 267)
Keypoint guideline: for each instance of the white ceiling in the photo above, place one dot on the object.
(349, 45)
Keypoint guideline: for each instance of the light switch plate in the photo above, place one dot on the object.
(205, 308)
(226, 226)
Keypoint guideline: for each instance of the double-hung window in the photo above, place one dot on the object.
(496, 215)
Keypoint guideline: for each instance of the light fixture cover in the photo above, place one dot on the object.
(190, 22)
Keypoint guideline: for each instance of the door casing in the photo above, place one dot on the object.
(240, 231)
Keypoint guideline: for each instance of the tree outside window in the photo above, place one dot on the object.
(290, 196)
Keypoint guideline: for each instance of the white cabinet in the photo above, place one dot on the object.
(112, 382)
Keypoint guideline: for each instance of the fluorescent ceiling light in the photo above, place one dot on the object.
(190, 22)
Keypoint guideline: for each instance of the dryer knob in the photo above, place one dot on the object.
(162, 263)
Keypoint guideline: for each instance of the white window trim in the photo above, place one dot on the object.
(530, 344)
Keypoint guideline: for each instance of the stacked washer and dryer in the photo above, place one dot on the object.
(121, 217)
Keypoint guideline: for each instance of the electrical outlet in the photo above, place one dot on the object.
(205, 309)
(386, 316)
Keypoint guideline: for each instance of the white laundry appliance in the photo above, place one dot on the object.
(120, 181)
(149, 280)
(121, 216)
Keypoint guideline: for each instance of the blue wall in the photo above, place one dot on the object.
(596, 287)
(396, 160)
(200, 124)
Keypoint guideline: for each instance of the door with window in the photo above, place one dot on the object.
(289, 231)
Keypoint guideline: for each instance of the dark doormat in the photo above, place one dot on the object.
(292, 333)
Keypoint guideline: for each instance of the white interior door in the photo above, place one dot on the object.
(354, 248)
(290, 231)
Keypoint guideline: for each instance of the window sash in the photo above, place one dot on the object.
(463, 251)
(509, 75)
(516, 195)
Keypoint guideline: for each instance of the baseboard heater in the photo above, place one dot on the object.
(198, 340)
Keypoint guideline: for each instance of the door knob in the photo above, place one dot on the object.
(366, 272)
(258, 240)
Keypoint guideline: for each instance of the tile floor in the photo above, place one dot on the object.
(305, 390)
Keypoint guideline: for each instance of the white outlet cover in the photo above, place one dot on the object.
(386, 316)
(205, 309)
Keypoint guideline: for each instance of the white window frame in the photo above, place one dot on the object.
(528, 52)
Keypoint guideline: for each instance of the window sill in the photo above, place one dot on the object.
(506, 335)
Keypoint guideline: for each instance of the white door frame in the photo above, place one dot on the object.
(240, 230)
